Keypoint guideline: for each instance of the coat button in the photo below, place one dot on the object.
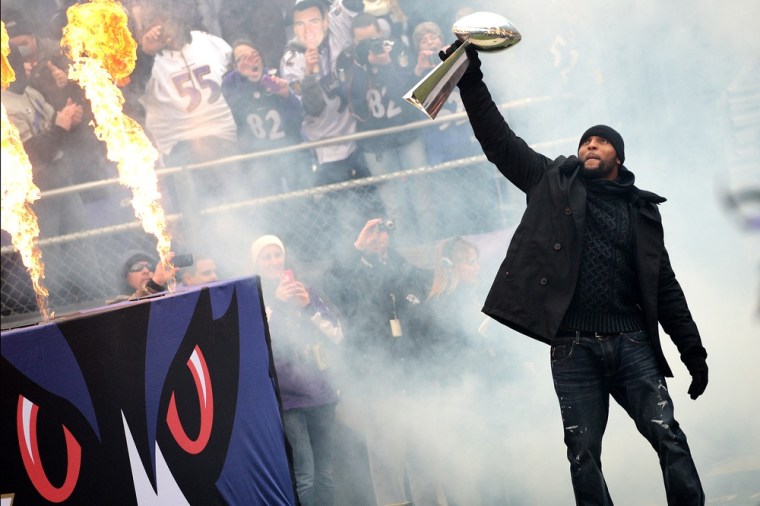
(506, 274)
(568, 211)
(557, 246)
(544, 281)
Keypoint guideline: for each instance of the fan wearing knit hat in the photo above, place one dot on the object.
(303, 330)
(427, 40)
(274, 263)
(587, 273)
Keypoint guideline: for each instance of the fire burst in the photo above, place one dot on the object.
(98, 41)
(18, 193)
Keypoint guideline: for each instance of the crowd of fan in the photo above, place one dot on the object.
(232, 77)
(366, 355)
(217, 79)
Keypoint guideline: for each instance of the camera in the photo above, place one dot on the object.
(386, 225)
(375, 46)
(185, 260)
(268, 82)
(380, 46)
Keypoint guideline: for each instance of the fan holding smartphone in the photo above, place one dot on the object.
(303, 330)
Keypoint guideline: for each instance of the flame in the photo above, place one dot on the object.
(18, 193)
(8, 75)
(104, 53)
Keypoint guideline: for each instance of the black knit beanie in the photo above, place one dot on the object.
(608, 133)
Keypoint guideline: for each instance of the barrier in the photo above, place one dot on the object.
(167, 400)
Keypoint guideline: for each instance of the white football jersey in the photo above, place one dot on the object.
(183, 97)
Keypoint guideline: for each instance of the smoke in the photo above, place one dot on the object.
(665, 75)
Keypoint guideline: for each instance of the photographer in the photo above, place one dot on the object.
(381, 73)
(268, 116)
(377, 293)
(428, 40)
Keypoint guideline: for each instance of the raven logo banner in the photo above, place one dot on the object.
(170, 400)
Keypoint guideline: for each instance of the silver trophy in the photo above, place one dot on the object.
(484, 30)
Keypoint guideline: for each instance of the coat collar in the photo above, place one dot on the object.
(571, 165)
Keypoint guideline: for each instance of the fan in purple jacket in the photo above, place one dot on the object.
(302, 330)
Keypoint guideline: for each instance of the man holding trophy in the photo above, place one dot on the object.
(586, 272)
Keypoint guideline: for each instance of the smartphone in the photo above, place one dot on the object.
(184, 260)
(287, 276)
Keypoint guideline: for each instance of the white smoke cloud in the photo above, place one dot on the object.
(662, 74)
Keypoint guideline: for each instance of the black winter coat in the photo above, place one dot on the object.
(537, 279)
(368, 295)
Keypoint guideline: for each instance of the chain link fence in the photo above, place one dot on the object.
(458, 196)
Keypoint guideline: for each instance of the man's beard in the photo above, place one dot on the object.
(601, 172)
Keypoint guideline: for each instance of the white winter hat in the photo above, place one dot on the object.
(262, 242)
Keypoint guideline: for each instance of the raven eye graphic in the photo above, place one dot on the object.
(197, 365)
(26, 425)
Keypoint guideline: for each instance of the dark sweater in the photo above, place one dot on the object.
(606, 297)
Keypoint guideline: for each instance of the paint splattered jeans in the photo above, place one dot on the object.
(586, 371)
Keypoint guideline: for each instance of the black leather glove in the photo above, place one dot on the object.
(445, 53)
(697, 367)
(473, 72)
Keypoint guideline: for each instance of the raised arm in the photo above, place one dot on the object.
(517, 161)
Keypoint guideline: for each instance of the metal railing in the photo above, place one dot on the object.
(83, 268)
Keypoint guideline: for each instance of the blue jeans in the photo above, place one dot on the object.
(586, 371)
(310, 432)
